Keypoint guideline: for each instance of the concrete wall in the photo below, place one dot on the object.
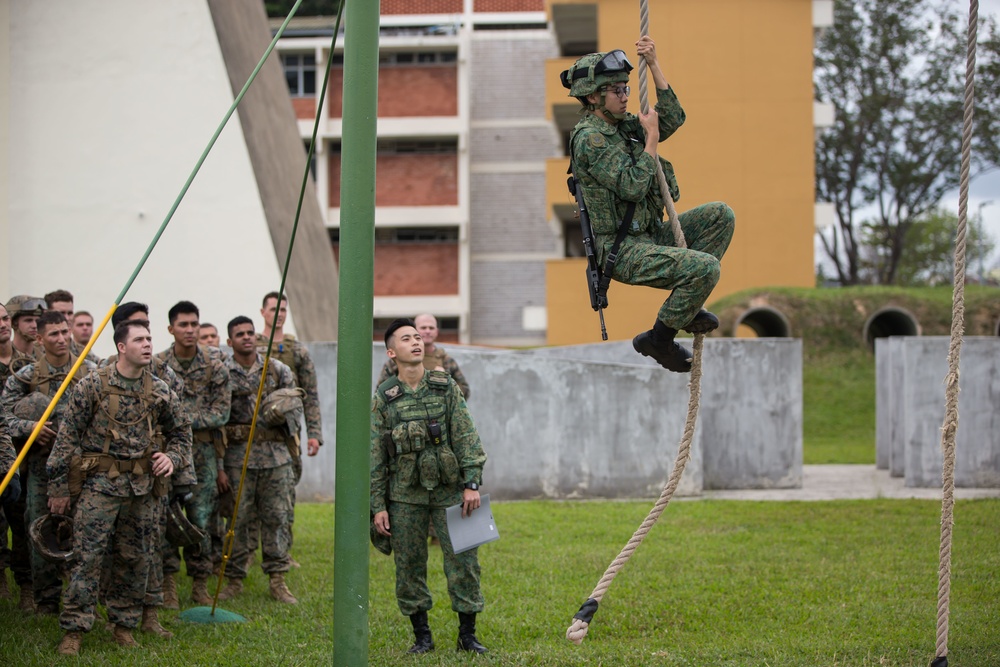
(598, 421)
(914, 390)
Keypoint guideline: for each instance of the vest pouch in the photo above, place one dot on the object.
(400, 436)
(448, 464)
(430, 472)
(75, 476)
(160, 486)
(604, 215)
(418, 435)
(406, 470)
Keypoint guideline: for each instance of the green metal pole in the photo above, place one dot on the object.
(354, 351)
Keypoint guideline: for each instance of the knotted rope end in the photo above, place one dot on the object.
(576, 632)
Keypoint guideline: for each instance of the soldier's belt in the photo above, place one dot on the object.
(204, 435)
(241, 432)
(94, 463)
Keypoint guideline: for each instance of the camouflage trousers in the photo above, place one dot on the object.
(408, 525)
(652, 260)
(20, 547)
(254, 521)
(267, 494)
(128, 530)
(200, 511)
(46, 577)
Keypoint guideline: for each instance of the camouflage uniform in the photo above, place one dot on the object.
(75, 349)
(15, 556)
(267, 489)
(117, 511)
(184, 476)
(609, 160)
(205, 400)
(408, 487)
(431, 361)
(46, 579)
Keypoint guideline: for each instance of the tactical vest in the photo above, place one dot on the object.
(42, 378)
(284, 352)
(94, 462)
(418, 446)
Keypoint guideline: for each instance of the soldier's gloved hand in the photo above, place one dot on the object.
(13, 490)
(181, 494)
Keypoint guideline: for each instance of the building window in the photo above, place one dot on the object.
(421, 58)
(401, 235)
(424, 147)
(300, 73)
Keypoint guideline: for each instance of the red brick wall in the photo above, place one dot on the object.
(407, 180)
(406, 91)
(305, 107)
(414, 269)
(508, 5)
(420, 7)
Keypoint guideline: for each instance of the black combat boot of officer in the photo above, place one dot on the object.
(467, 634)
(702, 323)
(423, 642)
(658, 343)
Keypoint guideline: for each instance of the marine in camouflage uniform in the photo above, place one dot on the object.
(613, 158)
(267, 489)
(110, 426)
(13, 490)
(39, 381)
(206, 401)
(414, 479)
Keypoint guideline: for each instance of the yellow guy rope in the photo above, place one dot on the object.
(950, 425)
(578, 630)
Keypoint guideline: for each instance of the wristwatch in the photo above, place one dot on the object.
(472, 486)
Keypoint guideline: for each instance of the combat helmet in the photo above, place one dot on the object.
(592, 72)
(52, 537)
(31, 407)
(23, 304)
(281, 404)
(180, 531)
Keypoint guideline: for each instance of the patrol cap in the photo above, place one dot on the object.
(23, 304)
(594, 70)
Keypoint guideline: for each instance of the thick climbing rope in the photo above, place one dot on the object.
(581, 622)
(142, 262)
(950, 425)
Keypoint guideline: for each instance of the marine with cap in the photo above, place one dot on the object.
(613, 155)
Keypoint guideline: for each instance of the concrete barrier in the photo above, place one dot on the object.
(600, 421)
(916, 402)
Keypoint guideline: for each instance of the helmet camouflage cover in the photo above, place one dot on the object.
(31, 407)
(594, 70)
(23, 304)
(180, 531)
(282, 406)
(51, 536)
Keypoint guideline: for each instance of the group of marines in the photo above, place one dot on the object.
(134, 438)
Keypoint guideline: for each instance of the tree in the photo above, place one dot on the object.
(894, 71)
(930, 256)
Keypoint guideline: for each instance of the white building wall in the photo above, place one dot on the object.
(111, 104)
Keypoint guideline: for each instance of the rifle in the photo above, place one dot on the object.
(595, 282)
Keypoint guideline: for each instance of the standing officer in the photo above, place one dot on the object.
(613, 155)
(267, 489)
(425, 457)
(206, 400)
(36, 384)
(105, 453)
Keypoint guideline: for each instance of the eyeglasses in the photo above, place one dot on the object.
(621, 91)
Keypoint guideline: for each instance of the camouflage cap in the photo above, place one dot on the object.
(23, 304)
(31, 407)
(594, 70)
(52, 537)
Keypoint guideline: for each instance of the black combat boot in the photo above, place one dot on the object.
(423, 642)
(467, 634)
(702, 323)
(658, 343)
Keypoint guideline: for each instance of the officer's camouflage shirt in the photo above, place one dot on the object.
(7, 453)
(243, 384)
(431, 361)
(205, 395)
(295, 355)
(19, 385)
(76, 349)
(462, 439)
(613, 168)
(86, 424)
(18, 360)
(185, 476)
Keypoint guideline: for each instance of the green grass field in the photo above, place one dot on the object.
(715, 583)
(838, 407)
